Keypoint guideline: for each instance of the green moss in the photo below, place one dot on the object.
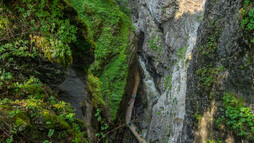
(52, 120)
(168, 82)
(155, 43)
(44, 116)
(199, 17)
(181, 52)
(110, 28)
(95, 85)
(197, 114)
(29, 107)
(208, 75)
(55, 31)
(19, 122)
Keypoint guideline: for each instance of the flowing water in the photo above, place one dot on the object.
(151, 93)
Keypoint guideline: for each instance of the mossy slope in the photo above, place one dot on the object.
(38, 40)
(110, 28)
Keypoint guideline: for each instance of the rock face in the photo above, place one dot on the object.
(152, 95)
(232, 52)
(172, 35)
(167, 31)
(74, 90)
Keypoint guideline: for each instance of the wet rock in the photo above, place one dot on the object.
(74, 91)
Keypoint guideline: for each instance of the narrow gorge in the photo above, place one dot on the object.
(169, 31)
(127, 71)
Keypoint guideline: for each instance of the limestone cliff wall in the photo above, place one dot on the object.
(232, 51)
(172, 35)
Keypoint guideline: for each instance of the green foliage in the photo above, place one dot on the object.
(37, 31)
(168, 82)
(20, 87)
(241, 67)
(175, 100)
(16, 49)
(210, 141)
(114, 79)
(248, 16)
(40, 29)
(104, 126)
(46, 141)
(237, 118)
(197, 115)
(110, 28)
(55, 116)
(219, 140)
(155, 43)
(199, 17)
(181, 52)
(210, 46)
(123, 6)
(51, 132)
(208, 75)
(95, 85)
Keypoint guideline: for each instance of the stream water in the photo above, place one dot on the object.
(151, 94)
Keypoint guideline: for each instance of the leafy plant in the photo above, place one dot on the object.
(155, 43)
(248, 16)
(168, 82)
(208, 75)
(110, 28)
(175, 100)
(197, 114)
(43, 29)
(51, 132)
(46, 141)
(237, 117)
(123, 6)
(210, 141)
(181, 52)
(36, 32)
(10, 140)
(14, 113)
(104, 126)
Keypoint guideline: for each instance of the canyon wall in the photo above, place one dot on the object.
(173, 38)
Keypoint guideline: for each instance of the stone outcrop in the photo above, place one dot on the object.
(167, 32)
(172, 35)
(221, 25)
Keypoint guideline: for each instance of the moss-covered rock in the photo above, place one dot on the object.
(31, 69)
(111, 29)
(31, 119)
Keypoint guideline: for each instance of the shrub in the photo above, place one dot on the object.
(237, 117)
(38, 28)
(248, 16)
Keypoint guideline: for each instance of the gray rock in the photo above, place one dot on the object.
(166, 26)
(74, 91)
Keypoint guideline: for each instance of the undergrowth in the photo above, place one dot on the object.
(248, 16)
(29, 110)
(36, 34)
(36, 28)
(110, 28)
(237, 117)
